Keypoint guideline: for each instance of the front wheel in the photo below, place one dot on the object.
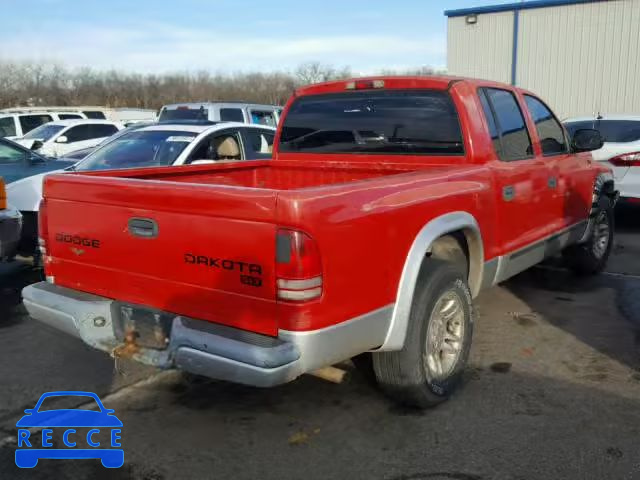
(591, 257)
(429, 367)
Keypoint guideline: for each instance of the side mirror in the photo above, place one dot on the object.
(62, 139)
(586, 140)
(29, 411)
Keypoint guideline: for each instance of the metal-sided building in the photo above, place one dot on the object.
(582, 56)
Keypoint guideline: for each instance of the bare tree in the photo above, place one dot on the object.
(33, 84)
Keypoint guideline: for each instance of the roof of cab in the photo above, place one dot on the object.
(435, 82)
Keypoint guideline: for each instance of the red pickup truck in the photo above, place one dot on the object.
(388, 205)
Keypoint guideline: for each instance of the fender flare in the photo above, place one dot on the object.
(430, 232)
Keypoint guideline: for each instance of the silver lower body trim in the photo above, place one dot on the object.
(207, 349)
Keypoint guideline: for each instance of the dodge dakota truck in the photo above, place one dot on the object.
(389, 204)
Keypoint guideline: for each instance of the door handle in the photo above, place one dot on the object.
(552, 182)
(508, 193)
(143, 227)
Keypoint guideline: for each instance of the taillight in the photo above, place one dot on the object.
(298, 266)
(3, 195)
(626, 160)
(43, 229)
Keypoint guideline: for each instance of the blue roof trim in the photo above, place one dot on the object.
(507, 7)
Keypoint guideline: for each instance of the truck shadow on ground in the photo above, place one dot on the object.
(602, 311)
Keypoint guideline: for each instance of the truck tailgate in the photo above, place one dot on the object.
(203, 251)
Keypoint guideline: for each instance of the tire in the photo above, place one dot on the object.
(409, 376)
(591, 257)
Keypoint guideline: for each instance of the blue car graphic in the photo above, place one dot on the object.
(28, 456)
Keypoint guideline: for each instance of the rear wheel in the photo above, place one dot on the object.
(591, 257)
(430, 365)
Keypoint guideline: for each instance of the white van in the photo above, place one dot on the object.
(123, 115)
(222, 112)
(17, 125)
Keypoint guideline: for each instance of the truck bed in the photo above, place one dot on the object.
(215, 227)
(280, 175)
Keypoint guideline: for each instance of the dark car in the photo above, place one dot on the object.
(18, 162)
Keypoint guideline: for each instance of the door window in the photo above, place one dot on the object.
(97, 115)
(10, 154)
(100, 131)
(69, 116)
(550, 132)
(220, 146)
(231, 115)
(7, 127)
(515, 142)
(260, 143)
(79, 133)
(263, 117)
(29, 122)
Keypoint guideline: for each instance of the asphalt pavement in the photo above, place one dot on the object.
(552, 392)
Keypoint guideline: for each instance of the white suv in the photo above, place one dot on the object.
(16, 125)
(621, 149)
(55, 139)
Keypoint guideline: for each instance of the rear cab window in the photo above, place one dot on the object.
(404, 122)
(501, 108)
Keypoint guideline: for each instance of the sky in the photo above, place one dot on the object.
(157, 36)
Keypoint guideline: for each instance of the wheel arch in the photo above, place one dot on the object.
(458, 223)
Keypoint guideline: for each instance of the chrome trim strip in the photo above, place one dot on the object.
(299, 295)
(436, 228)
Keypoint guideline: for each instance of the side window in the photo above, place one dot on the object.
(551, 134)
(29, 122)
(263, 117)
(231, 115)
(259, 144)
(491, 121)
(10, 154)
(514, 136)
(69, 116)
(78, 134)
(97, 115)
(7, 127)
(219, 146)
(99, 131)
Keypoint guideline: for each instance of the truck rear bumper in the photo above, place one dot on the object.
(204, 348)
(10, 231)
